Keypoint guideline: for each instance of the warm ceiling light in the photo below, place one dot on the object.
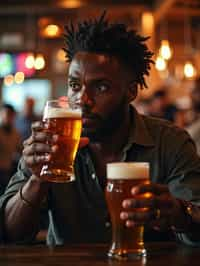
(189, 70)
(8, 80)
(71, 3)
(39, 62)
(29, 62)
(160, 64)
(52, 30)
(165, 50)
(19, 77)
(147, 23)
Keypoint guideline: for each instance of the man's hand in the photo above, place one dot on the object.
(154, 206)
(39, 147)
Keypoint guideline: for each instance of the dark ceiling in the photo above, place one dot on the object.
(191, 6)
(90, 2)
(174, 9)
(175, 13)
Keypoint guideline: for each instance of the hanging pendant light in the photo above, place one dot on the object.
(160, 64)
(189, 70)
(165, 50)
(9, 80)
(19, 77)
(189, 67)
(39, 62)
(30, 60)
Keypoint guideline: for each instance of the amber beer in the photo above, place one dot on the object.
(121, 177)
(61, 119)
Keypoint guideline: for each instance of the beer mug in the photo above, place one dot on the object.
(64, 119)
(121, 177)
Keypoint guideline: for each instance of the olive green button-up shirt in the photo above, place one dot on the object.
(77, 210)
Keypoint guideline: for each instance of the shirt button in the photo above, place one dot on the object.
(93, 176)
(107, 224)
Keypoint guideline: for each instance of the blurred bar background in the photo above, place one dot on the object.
(32, 63)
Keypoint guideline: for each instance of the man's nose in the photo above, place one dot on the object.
(86, 97)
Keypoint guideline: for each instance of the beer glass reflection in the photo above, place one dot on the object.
(121, 177)
(62, 118)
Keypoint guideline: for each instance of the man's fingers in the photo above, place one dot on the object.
(139, 216)
(156, 189)
(36, 161)
(153, 202)
(37, 148)
(83, 142)
(37, 126)
(41, 137)
(147, 216)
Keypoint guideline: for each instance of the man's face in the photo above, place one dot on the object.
(99, 84)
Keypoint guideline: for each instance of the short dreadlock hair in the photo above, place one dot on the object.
(99, 36)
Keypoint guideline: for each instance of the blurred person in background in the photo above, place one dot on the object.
(142, 105)
(194, 127)
(28, 116)
(10, 144)
(160, 106)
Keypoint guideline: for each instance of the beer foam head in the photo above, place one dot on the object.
(128, 170)
(53, 112)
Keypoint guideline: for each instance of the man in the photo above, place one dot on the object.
(10, 144)
(108, 64)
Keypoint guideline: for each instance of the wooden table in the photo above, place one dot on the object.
(159, 254)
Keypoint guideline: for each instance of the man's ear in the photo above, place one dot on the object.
(132, 91)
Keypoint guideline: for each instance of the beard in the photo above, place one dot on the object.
(106, 125)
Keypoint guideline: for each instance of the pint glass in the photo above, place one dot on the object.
(121, 177)
(62, 118)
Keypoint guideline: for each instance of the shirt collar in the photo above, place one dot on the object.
(139, 133)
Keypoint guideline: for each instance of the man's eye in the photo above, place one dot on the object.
(102, 88)
(74, 86)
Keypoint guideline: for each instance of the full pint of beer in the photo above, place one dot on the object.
(121, 177)
(60, 118)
